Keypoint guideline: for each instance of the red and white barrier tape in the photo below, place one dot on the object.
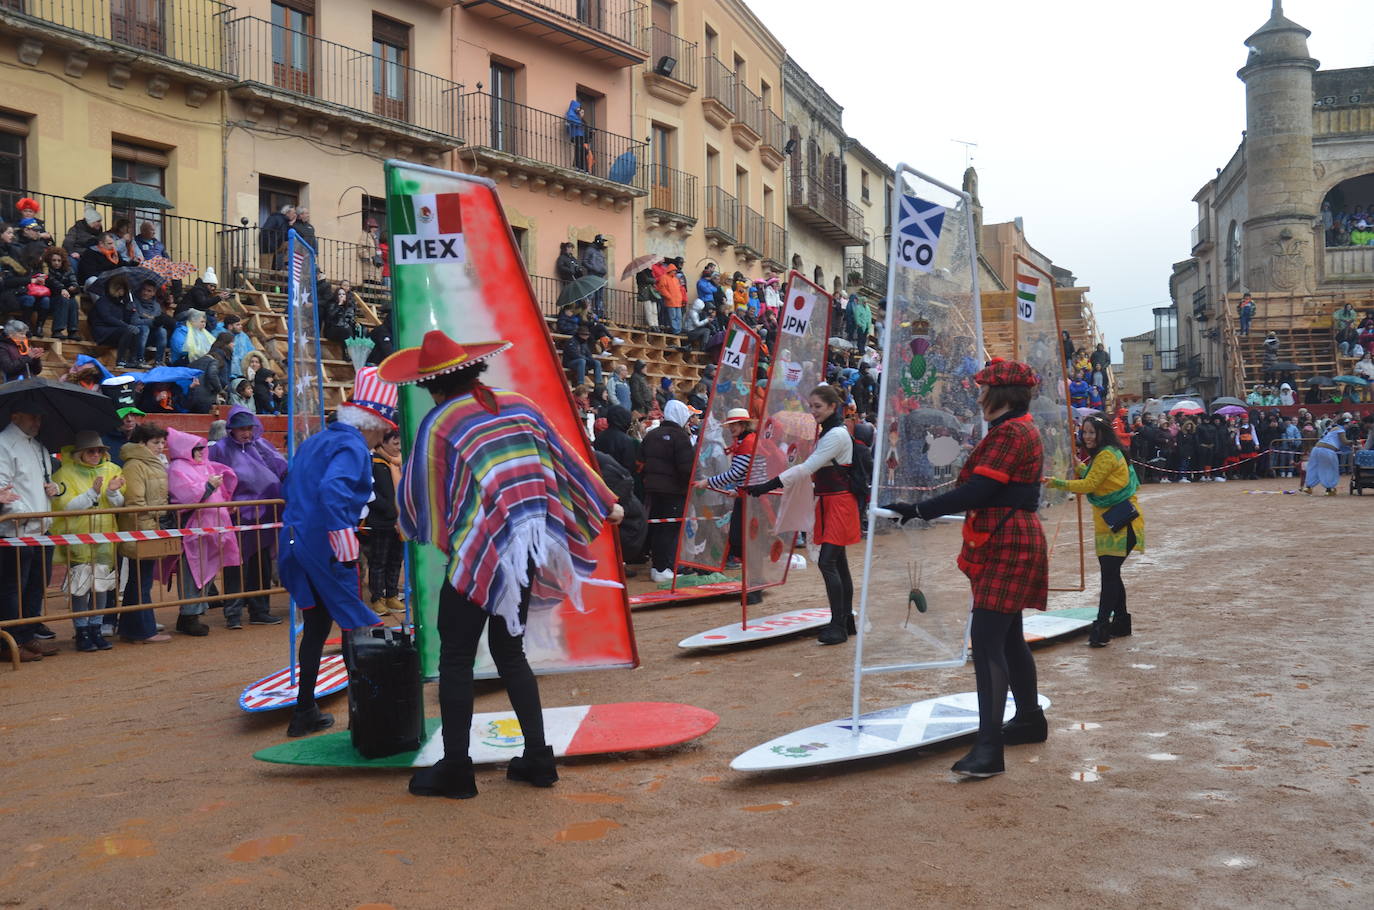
(57, 540)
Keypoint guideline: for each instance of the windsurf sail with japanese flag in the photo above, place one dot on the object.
(1035, 341)
(787, 433)
(456, 268)
(914, 603)
(704, 539)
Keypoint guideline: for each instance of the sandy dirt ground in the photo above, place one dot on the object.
(1220, 757)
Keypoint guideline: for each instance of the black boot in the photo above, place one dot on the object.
(84, 642)
(449, 777)
(753, 597)
(834, 633)
(1026, 728)
(312, 721)
(1099, 635)
(1121, 625)
(534, 767)
(983, 760)
(849, 625)
(100, 641)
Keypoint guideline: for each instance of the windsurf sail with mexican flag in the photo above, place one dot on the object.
(787, 433)
(428, 228)
(463, 275)
(704, 538)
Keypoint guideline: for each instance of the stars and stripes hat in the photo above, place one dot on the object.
(372, 394)
(1006, 372)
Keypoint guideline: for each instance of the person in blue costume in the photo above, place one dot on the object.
(328, 484)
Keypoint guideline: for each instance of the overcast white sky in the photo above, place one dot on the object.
(1096, 120)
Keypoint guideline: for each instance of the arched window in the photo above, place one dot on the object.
(1233, 255)
(1345, 206)
(820, 277)
(797, 262)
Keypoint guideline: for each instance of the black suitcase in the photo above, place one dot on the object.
(386, 707)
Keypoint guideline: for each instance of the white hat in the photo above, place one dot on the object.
(736, 414)
(210, 277)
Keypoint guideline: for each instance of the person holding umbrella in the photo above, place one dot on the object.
(25, 486)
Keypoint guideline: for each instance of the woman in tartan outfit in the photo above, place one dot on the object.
(1005, 558)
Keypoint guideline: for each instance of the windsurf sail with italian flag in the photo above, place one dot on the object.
(428, 228)
(1036, 342)
(1027, 290)
(465, 277)
(787, 433)
(914, 604)
(704, 538)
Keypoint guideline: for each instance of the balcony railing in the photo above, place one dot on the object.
(824, 209)
(870, 273)
(748, 108)
(229, 249)
(720, 84)
(622, 20)
(665, 44)
(671, 192)
(753, 232)
(774, 131)
(341, 77)
(489, 122)
(1202, 236)
(187, 31)
(619, 303)
(775, 246)
(1201, 300)
(1350, 262)
(722, 215)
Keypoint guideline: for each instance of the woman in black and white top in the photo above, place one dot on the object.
(837, 512)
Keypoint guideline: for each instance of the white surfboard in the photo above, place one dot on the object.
(881, 732)
(765, 627)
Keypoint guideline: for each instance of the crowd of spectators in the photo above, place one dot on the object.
(1348, 226)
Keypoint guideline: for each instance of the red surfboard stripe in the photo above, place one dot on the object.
(638, 725)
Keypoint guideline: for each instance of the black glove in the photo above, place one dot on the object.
(907, 510)
(768, 486)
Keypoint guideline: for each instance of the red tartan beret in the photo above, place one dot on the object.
(1006, 372)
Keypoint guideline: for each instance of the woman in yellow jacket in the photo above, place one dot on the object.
(1110, 484)
(88, 480)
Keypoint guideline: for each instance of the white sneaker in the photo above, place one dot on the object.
(615, 340)
(1165, 480)
(1185, 480)
(665, 575)
(106, 629)
(1221, 480)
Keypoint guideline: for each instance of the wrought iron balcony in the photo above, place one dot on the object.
(823, 209)
(186, 32)
(1201, 303)
(866, 273)
(774, 139)
(718, 95)
(610, 32)
(775, 248)
(677, 83)
(753, 234)
(619, 304)
(525, 143)
(1202, 237)
(280, 65)
(722, 217)
(672, 196)
(748, 125)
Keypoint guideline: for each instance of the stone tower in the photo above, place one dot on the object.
(1279, 232)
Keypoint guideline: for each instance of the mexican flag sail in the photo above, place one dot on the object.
(456, 268)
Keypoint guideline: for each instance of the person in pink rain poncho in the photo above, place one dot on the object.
(192, 477)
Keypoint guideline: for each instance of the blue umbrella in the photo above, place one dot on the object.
(182, 376)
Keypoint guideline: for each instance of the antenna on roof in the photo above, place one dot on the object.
(968, 150)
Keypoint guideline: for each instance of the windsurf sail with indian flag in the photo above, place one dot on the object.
(428, 228)
(1027, 292)
(456, 269)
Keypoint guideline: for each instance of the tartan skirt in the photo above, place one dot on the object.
(1009, 570)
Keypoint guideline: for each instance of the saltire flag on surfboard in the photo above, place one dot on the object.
(484, 294)
(703, 540)
(787, 433)
(428, 228)
(1027, 290)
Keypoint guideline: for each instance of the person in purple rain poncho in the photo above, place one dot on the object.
(260, 469)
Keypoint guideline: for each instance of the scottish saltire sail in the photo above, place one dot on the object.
(1035, 340)
(787, 433)
(914, 604)
(304, 361)
(456, 268)
(704, 539)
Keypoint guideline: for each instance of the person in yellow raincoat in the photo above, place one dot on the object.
(1108, 480)
(88, 480)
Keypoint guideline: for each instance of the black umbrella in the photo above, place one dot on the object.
(135, 275)
(1225, 400)
(1320, 381)
(130, 196)
(1284, 366)
(581, 289)
(67, 409)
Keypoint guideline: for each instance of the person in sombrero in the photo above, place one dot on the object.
(493, 485)
(328, 483)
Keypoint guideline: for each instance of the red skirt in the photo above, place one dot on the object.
(837, 519)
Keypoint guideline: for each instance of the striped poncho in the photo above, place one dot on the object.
(497, 492)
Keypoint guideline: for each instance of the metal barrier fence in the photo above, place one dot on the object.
(163, 548)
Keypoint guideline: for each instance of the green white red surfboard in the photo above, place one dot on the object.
(496, 737)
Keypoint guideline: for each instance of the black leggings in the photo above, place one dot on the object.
(460, 628)
(384, 551)
(1112, 600)
(839, 588)
(663, 536)
(1001, 659)
(316, 623)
